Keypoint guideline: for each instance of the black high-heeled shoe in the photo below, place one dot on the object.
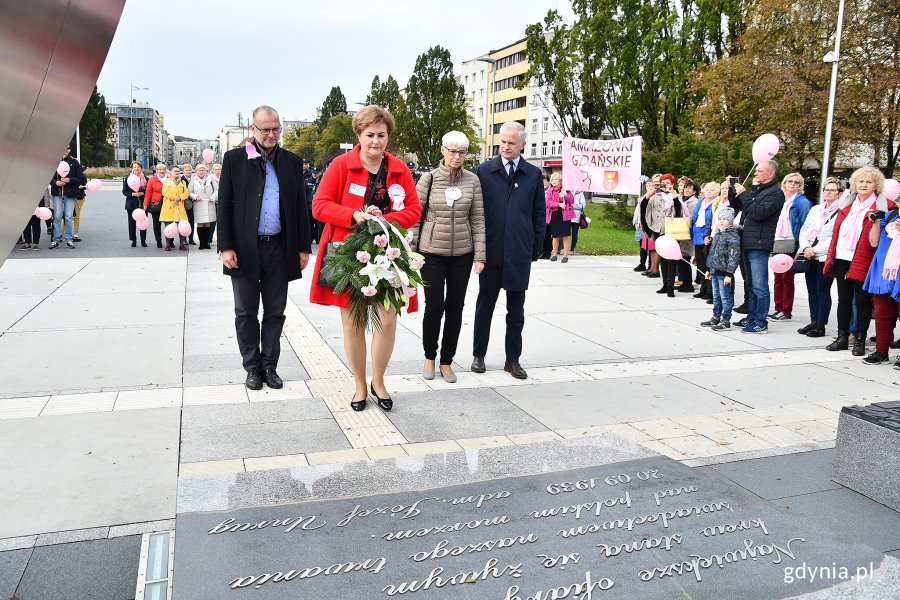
(384, 403)
(359, 405)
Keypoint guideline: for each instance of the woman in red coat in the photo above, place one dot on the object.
(353, 190)
(152, 194)
(850, 254)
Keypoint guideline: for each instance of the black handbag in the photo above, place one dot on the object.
(802, 264)
(155, 208)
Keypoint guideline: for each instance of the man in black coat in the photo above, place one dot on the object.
(65, 192)
(264, 240)
(760, 207)
(515, 217)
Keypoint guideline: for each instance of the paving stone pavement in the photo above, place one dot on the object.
(126, 357)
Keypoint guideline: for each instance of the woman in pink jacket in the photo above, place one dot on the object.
(560, 213)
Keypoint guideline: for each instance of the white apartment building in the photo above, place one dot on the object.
(475, 79)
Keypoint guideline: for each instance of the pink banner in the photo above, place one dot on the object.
(602, 166)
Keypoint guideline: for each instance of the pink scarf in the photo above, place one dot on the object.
(825, 214)
(669, 198)
(701, 216)
(892, 260)
(849, 236)
(783, 229)
(143, 185)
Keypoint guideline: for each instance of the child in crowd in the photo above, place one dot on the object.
(723, 260)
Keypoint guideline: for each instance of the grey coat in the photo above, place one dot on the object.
(452, 230)
(725, 251)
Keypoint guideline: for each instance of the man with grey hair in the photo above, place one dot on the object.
(760, 207)
(264, 240)
(515, 220)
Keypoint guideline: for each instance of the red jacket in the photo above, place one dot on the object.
(334, 205)
(862, 256)
(153, 192)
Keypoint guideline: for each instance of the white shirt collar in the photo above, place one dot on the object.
(515, 163)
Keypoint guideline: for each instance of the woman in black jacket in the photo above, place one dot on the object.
(133, 200)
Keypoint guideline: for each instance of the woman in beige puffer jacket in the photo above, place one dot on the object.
(452, 240)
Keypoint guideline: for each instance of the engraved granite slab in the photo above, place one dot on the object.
(645, 528)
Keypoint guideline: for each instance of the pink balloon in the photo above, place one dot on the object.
(43, 213)
(184, 228)
(208, 155)
(138, 214)
(171, 230)
(765, 147)
(94, 185)
(62, 169)
(781, 263)
(143, 225)
(134, 182)
(891, 189)
(668, 248)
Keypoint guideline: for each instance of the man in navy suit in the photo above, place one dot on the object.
(515, 220)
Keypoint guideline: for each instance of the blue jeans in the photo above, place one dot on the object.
(63, 207)
(723, 296)
(818, 286)
(756, 270)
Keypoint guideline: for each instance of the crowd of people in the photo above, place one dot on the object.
(844, 240)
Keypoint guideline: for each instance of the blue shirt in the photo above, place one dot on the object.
(270, 211)
(515, 164)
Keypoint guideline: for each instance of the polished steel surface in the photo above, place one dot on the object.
(51, 53)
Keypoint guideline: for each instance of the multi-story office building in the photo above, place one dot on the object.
(506, 102)
(137, 133)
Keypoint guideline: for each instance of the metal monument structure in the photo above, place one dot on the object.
(51, 53)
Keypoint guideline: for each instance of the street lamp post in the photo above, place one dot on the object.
(131, 122)
(833, 57)
(493, 64)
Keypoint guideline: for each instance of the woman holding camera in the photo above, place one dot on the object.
(850, 254)
(881, 287)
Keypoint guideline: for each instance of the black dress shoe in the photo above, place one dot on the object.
(359, 405)
(895, 344)
(133, 243)
(273, 380)
(515, 369)
(662, 290)
(143, 244)
(652, 275)
(384, 403)
(742, 309)
(640, 268)
(254, 380)
(478, 364)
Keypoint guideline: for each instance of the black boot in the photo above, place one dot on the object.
(859, 346)
(818, 332)
(841, 342)
(807, 328)
(203, 236)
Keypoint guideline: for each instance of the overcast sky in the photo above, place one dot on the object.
(225, 56)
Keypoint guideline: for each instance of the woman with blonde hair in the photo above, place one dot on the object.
(787, 235)
(850, 254)
(174, 193)
(560, 212)
(353, 190)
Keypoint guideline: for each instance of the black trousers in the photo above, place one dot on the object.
(190, 216)
(438, 272)
(848, 290)
(132, 229)
(32, 232)
(668, 269)
(515, 321)
(574, 235)
(157, 230)
(260, 345)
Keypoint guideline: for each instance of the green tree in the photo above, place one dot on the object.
(302, 142)
(435, 104)
(339, 130)
(334, 104)
(623, 65)
(700, 159)
(95, 128)
(387, 95)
